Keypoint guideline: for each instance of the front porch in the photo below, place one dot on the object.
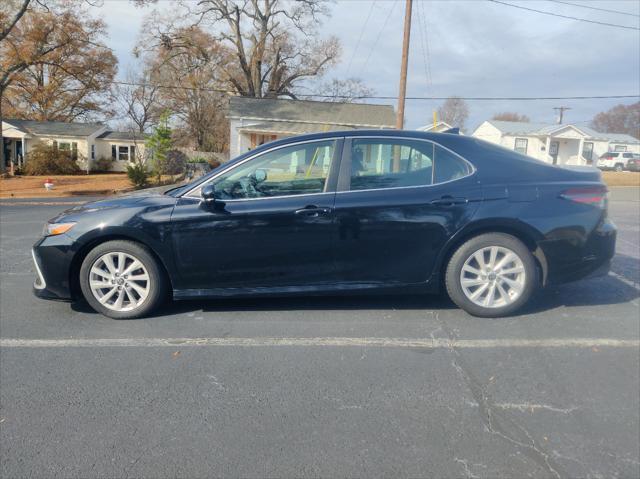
(15, 149)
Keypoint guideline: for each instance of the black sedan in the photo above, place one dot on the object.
(338, 213)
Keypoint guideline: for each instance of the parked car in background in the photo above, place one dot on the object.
(615, 160)
(362, 211)
(634, 163)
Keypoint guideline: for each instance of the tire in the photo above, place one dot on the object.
(618, 168)
(140, 296)
(512, 286)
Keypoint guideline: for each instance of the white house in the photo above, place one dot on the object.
(553, 143)
(254, 121)
(86, 142)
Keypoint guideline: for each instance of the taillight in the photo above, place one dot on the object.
(590, 195)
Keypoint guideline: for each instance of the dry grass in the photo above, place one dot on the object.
(622, 178)
(64, 185)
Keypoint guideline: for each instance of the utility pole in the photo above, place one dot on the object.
(561, 109)
(403, 69)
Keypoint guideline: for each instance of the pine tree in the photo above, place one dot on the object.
(159, 144)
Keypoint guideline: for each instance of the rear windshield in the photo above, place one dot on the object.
(610, 155)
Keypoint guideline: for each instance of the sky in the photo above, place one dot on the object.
(471, 48)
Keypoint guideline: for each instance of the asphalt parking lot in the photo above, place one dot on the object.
(321, 387)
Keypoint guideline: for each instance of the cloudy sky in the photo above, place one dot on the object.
(471, 48)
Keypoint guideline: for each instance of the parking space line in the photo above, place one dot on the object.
(626, 281)
(429, 343)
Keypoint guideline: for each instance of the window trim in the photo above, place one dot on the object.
(330, 185)
(344, 181)
(128, 159)
(526, 145)
(591, 151)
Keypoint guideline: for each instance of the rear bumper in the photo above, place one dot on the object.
(570, 262)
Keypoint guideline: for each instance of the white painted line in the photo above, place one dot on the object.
(626, 281)
(331, 341)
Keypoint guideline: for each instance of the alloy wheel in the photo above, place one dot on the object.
(119, 281)
(493, 277)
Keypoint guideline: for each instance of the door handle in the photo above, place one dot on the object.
(449, 201)
(313, 211)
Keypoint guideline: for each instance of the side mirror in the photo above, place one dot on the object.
(208, 193)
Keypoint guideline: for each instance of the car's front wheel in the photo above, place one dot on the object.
(491, 275)
(122, 280)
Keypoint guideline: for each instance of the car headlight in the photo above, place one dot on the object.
(53, 229)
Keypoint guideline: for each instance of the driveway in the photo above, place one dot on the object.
(310, 387)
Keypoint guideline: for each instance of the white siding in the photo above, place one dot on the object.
(486, 131)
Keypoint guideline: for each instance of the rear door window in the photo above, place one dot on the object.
(380, 163)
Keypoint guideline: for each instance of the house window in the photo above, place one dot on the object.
(587, 151)
(123, 153)
(71, 147)
(93, 152)
(521, 145)
(114, 149)
(620, 148)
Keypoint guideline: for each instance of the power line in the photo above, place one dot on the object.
(564, 16)
(375, 43)
(424, 45)
(595, 8)
(379, 97)
(355, 50)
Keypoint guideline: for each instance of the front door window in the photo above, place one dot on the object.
(294, 170)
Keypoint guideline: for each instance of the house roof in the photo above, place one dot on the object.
(291, 127)
(439, 124)
(304, 111)
(121, 135)
(543, 129)
(44, 128)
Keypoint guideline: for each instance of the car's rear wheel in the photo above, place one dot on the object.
(619, 167)
(122, 280)
(491, 275)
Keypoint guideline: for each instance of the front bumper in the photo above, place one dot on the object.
(53, 256)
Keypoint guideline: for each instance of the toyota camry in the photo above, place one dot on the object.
(366, 211)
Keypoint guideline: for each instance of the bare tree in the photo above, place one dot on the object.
(193, 87)
(273, 43)
(511, 116)
(619, 119)
(454, 111)
(11, 11)
(350, 90)
(138, 100)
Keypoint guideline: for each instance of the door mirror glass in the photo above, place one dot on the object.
(208, 193)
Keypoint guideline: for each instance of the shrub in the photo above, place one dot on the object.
(104, 164)
(197, 160)
(138, 174)
(175, 162)
(48, 160)
(214, 163)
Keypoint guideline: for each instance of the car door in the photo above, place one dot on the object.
(271, 224)
(398, 202)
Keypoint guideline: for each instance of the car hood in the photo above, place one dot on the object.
(129, 200)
